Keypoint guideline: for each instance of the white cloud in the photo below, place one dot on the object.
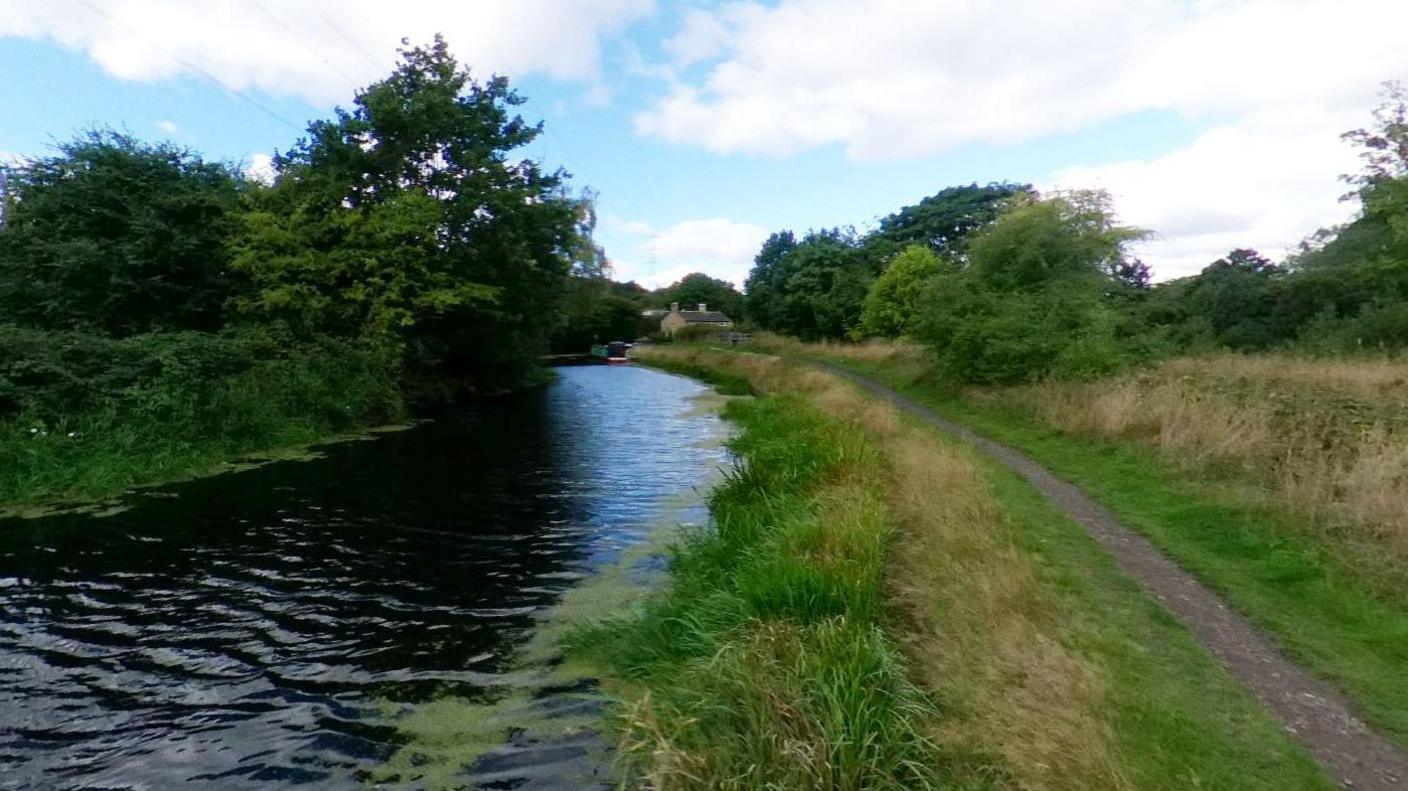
(169, 127)
(1273, 82)
(299, 49)
(260, 168)
(719, 247)
(1266, 182)
(702, 35)
(628, 227)
(891, 79)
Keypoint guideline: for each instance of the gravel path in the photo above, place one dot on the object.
(1314, 713)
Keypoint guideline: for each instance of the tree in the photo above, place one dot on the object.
(408, 221)
(1070, 236)
(763, 303)
(1352, 281)
(696, 288)
(893, 306)
(116, 236)
(1036, 297)
(942, 221)
(1384, 147)
(596, 311)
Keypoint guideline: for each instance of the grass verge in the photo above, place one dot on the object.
(1332, 615)
(858, 552)
(765, 664)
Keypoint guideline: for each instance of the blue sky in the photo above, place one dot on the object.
(705, 126)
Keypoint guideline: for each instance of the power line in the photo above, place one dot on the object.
(341, 31)
(193, 67)
(301, 42)
(551, 132)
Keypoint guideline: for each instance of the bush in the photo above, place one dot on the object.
(51, 374)
(88, 416)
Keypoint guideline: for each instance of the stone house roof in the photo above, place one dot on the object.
(701, 316)
(704, 317)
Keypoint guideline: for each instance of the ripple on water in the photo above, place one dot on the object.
(315, 623)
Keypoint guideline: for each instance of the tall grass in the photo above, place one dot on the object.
(182, 423)
(1327, 439)
(766, 663)
(1044, 667)
(1324, 439)
(1331, 592)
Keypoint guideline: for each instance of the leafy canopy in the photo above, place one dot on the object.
(116, 236)
(408, 221)
(893, 306)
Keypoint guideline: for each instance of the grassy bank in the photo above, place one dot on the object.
(857, 553)
(1202, 457)
(185, 405)
(765, 663)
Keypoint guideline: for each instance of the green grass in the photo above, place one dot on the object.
(1255, 556)
(179, 425)
(1176, 718)
(766, 662)
(725, 382)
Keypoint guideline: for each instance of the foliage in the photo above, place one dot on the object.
(1067, 238)
(766, 661)
(597, 312)
(88, 416)
(1036, 298)
(895, 301)
(943, 220)
(407, 221)
(117, 236)
(51, 374)
(696, 288)
(405, 247)
(813, 288)
(817, 288)
(1384, 147)
(1231, 304)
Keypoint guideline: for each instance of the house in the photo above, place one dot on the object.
(678, 319)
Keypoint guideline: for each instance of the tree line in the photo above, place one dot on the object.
(408, 228)
(404, 250)
(1006, 285)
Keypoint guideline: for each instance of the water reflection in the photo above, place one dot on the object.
(241, 633)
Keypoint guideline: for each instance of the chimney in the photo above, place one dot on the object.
(703, 307)
(674, 307)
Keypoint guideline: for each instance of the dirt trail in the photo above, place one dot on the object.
(1315, 714)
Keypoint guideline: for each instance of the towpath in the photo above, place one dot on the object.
(1315, 714)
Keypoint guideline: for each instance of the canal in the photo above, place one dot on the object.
(374, 616)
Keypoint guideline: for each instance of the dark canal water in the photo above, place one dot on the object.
(353, 620)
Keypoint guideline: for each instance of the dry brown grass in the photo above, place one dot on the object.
(981, 630)
(1326, 439)
(1329, 439)
(984, 631)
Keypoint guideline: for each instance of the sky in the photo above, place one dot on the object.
(702, 127)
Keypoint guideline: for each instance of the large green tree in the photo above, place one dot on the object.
(696, 288)
(943, 220)
(894, 304)
(763, 288)
(813, 288)
(116, 236)
(412, 220)
(1064, 238)
(1039, 295)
